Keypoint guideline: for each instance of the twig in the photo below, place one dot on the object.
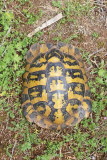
(49, 8)
(46, 24)
(6, 36)
(4, 4)
(100, 50)
(60, 153)
(13, 149)
(18, 11)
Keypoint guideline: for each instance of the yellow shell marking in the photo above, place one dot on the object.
(56, 86)
(76, 115)
(27, 101)
(34, 94)
(43, 48)
(58, 100)
(85, 78)
(48, 111)
(78, 88)
(71, 67)
(33, 69)
(73, 96)
(54, 59)
(25, 84)
(33, 83)
(47, 122)
(64, 49)
(25, 91)
(69, 59)
(77, 73)
(29, 108)
(31, 111)
(40, 108)
(33, 76)
(28, 118)
(38, 118)
(69, 108)
(86, 86)
(25, 75)
(54, 73)
(70, 80)
(38, 99)
(41, 60)
(59, 118)
(27, 67)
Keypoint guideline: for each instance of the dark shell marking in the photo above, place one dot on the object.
(55, 91)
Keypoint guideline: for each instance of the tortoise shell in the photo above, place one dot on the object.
(55, 90)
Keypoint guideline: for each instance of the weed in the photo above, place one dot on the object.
(32, 18)
(23, 1)
(73, 36)
(56, 4)
(77, 8)
(95, 35)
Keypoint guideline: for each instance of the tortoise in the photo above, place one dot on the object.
(55, 90)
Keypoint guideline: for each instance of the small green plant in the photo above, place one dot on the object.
(50, 152)
(76, 8)
(31, 17)
(95, 35)
(73, 36)
(56, 4)
(23, 1)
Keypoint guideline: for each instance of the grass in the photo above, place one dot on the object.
(19, 138)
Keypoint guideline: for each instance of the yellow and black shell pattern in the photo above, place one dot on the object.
(55, 90)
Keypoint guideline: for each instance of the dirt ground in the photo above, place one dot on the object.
(97, 49)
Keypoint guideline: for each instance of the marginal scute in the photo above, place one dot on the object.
(72, 50)
(43, 48)
(35, 50)
(55, 91)
(64, 49)
(60, 44)
(29, 57)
